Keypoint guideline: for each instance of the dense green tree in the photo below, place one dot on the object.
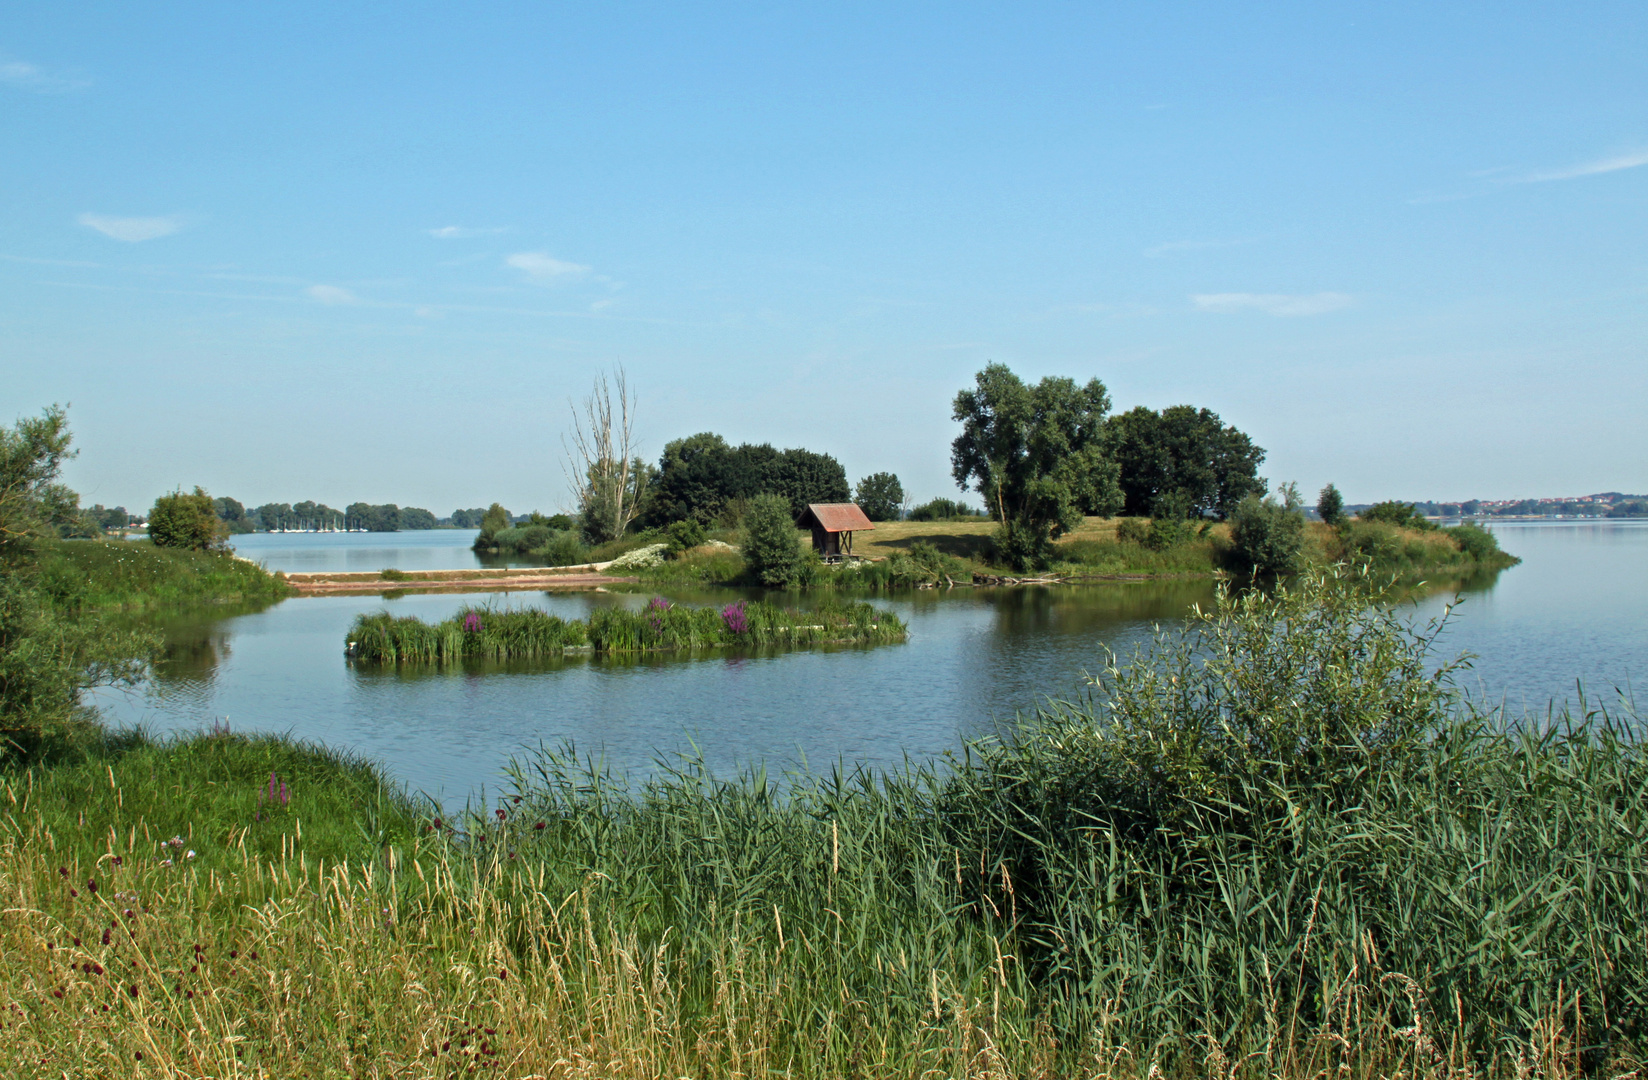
(1330, 505)
(467, 519)
(32, 502)
(701, 477)
(880, 496)
(1183, 454)
(1267, 535)
(385, 517)
(413, 517)
(613, 498)
(273, 517)
(772, 550)
(180, 520)
(1037, 455)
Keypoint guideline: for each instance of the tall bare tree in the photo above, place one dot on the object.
(601, 462)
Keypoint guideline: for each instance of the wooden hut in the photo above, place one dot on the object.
(833, 525)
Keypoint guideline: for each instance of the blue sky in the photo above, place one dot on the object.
(370, 251)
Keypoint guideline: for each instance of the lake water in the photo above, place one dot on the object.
(1573, 610)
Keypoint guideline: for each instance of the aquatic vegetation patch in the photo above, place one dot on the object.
(482, 633)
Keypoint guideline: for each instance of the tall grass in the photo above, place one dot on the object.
(484, 633)
(137, 576)
(1275, 846)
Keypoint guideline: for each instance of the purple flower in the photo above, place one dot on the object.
(735, 618)
(472, 623)
(658, 603)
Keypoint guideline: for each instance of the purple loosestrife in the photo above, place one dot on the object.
(472, 623)
(735, 618)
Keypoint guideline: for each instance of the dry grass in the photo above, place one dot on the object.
(433, 964)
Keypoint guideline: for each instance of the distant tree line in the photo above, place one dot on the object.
(314, 516)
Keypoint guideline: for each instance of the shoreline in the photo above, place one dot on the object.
(336, 583)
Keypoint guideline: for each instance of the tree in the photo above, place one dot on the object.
(610, 479)
(186, 521)
(1183, 454)
(701, 477)
(32, 453)
(1266, 535)
(413, 517)
(1037, 454)
(772, 551)
(880, 496)
(1330, 505)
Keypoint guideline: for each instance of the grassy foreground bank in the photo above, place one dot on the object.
(483, 633)
(1274, 848)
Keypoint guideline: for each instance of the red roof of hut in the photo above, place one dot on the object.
(834, 517)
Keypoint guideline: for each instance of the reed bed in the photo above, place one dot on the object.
(1273, 846)
(485, 633)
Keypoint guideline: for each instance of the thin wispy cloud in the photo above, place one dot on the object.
(37, 80)
(132, 230)
(331, 295)
(1280, 304)
(1177, 246)
(544, 268)
(1631, 160)
(461, 232)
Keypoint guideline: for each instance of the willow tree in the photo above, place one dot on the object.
(1037, 454)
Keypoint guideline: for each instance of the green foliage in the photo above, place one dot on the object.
(1267, 537)
(702, 478)
(1132, 531)
(1037, 455)
(1184, 454)
(186, 521)
(32, 453)
(1292, 777)
(133, 575)
(942, 509)
(385, 517)
(1401, 514)
(1475, 541)
(1330, 505)
(481, 633)
(771, 548)
(684, 535)
(494, 521)
(880, 496)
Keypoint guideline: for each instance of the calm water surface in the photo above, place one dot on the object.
(1574, 609)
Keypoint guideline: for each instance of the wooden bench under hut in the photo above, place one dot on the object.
(833, 525)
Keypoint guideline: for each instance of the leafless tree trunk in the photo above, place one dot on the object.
(600, 459)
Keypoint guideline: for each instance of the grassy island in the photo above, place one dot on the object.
(914, 554)
(480, 633)
(1273, 847)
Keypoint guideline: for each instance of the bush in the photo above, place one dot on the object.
(186, 521)
(1330, 505)
(1266, 537)
(1475, 541)
(1132, 531)
(1396, 513)
(771, 550)
(942, 509)
(684, 535)
(565, 548)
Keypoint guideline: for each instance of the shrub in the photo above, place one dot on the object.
(640, 558)
(186, 521)
(942, 509)
(771, 549)
(1132, 531)
(684, 535)
(1475, 541)
(1397, 513)
(1266, 536)
(565, 548)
